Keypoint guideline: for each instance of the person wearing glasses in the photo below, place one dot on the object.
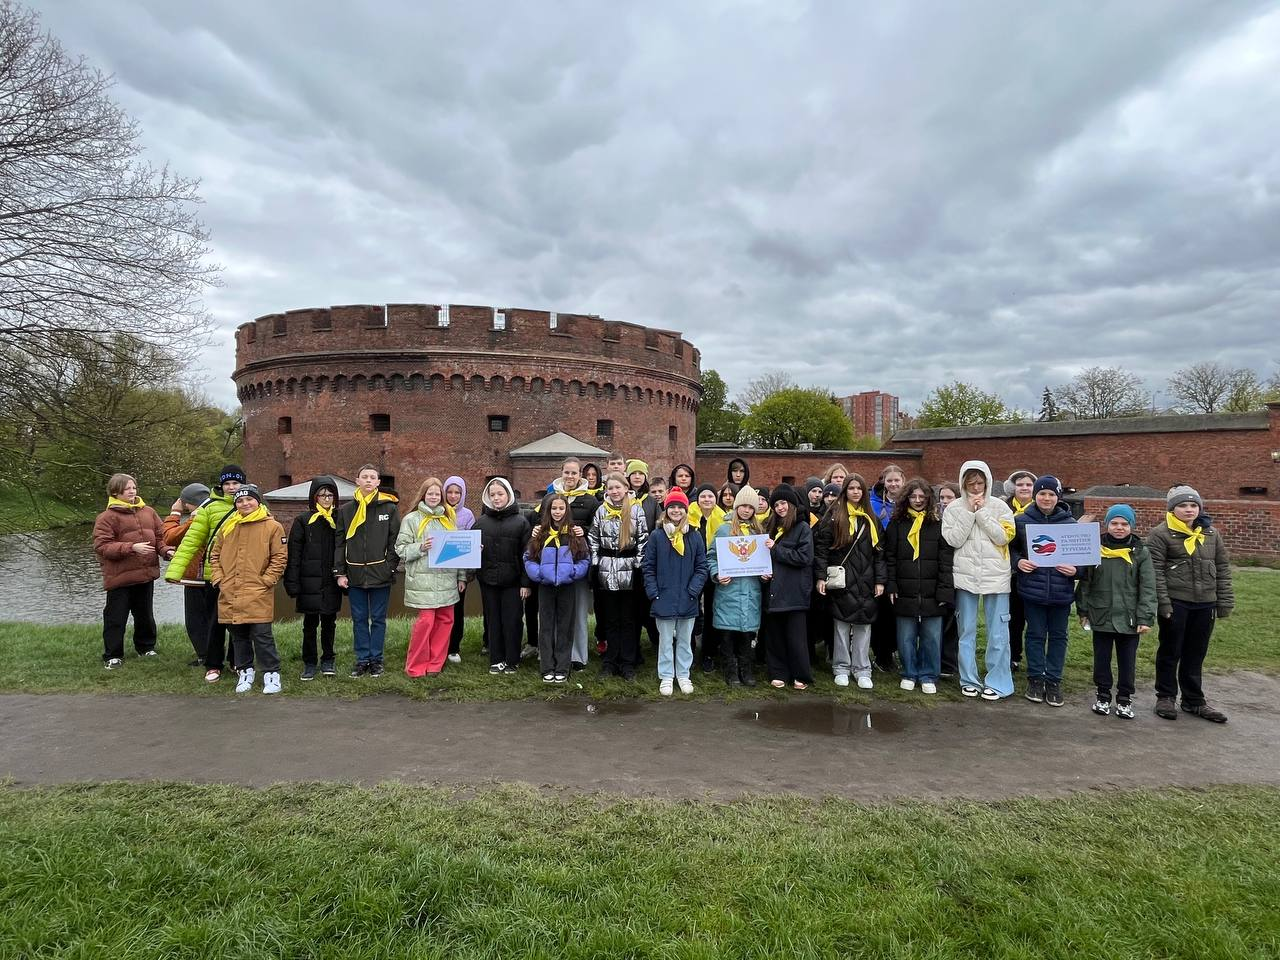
(309, 579)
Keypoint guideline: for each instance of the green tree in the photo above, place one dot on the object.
(719, 420)
(787, 418)
(1048, 407)
(960, 404)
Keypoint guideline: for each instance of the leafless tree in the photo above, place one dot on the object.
(1211, 387)
(763, 387)
(1099, 393)
(94, 242)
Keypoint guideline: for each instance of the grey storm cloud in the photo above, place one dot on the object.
(866, 195)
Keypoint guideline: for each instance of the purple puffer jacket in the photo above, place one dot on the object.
(557, 567)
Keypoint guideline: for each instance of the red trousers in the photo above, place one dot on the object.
(429, 641)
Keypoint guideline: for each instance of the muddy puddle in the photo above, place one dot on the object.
(821, 719)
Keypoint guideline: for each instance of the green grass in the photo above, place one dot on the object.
(23, 511)
(45, 659)
(176, 871)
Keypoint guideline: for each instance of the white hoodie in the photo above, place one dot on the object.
(981, 539)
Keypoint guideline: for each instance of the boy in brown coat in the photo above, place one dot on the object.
(248, 558)
(128, 539)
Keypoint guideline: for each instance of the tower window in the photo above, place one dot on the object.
(604, 428)
(284, 425)
(380, 422)
(499, 423)
(672, 433)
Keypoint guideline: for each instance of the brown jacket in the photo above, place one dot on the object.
(115, 532)
(246, 564)
(175, 528)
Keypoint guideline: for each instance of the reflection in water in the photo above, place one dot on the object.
(592, 710)
(53, 577)
(822, 718)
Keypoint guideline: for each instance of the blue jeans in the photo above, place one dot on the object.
(369, 620)
(920, 647)
(996, 606)
(677, 634)
(1046, 644)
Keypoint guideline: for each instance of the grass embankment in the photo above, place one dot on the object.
(23, 511)
(45, 659)
(130, 871)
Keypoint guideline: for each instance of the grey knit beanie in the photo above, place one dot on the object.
(194, 494)
(1184, 494)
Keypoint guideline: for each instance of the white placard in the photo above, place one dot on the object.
(743, 556)
(455, 549)
(1076, 544)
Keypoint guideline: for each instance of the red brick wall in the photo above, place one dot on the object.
(768, 467)
(329, 369)
(1216, 462)
(1250, 528)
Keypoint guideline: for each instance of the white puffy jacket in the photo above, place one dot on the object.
(981, 539)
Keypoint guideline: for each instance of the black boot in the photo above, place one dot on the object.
(745, 673)
(731, 670)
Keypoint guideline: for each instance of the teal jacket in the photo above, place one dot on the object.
(198, 537)
(1117, 596)
(737, 603)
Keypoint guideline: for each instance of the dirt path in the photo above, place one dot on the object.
(805, 745)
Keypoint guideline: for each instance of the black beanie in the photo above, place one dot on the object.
(231, 472)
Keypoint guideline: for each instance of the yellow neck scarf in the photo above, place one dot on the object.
(1124, 553)
(238, 518)
(741, 528)
(611, 512)
(594, 491)
(854, 513)
(325, 514)
(694, 514)
(913, 535)
(361, 503)
(1194, 537)
(117, 502)
(447, 520)
(676, 534)
(553, 538)
(640, 499)
(1009, 531)
(763, 517)
(777, 534)
(1019, 507)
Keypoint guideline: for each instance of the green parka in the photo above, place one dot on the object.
(425, 587)
(195, 542)
(1200, 577)
(1117, 596)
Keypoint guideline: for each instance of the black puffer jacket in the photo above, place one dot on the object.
(309, 578)
(863, 568)
(792, 569)
(504, 535)
(922, 585)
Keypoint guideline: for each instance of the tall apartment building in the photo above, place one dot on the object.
(873, 413)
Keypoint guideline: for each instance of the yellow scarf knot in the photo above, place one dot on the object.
(913, 535)
(676, 535)
(611, 512)
(117, 502)
(854, 514)
(238, 518)
(1017, 506)
(325, 514)
(553, 538)
(362, 502)
(1194, 536)
(1124, 553)
(446, 519)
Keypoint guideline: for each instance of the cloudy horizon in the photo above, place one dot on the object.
(866, 196)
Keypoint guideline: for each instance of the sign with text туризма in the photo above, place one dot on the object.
(455, 549)
(1075, 544)
(743, 557)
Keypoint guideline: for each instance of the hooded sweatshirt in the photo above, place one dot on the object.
(504, 534)
(981, 539)
(308, 577)
(466, 519)
(746, 472)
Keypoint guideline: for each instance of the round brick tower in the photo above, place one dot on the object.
(423, 390)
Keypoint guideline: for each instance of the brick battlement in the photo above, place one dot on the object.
(404, 328)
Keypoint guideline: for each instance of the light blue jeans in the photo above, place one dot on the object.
(996, 607)
(675, 637)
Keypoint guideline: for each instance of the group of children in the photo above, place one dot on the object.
(889, 575)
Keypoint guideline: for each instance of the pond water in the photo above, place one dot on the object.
(53, 577)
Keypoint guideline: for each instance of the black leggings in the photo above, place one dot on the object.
(787, 646)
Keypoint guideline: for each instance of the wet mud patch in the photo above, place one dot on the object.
(818, 718)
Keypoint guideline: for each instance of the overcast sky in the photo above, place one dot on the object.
(868, 195)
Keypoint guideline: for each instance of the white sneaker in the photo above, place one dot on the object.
(686, 685)
(246, 680)
(907, 684)
(271, 683)
(664, 687)
(864, 683)
(842, 679)
(455, 658)
(927, 687)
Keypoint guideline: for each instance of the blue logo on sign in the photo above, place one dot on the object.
(453, 550)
